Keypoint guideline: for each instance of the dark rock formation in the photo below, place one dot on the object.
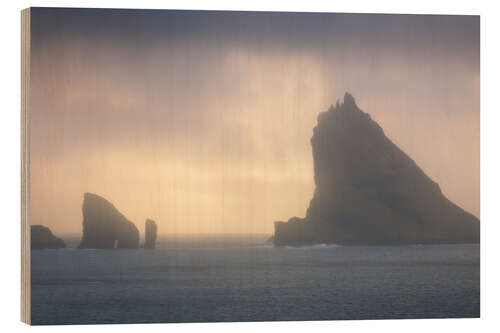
(150, 234)
(370, 192)
(104, 227)
(43, 238)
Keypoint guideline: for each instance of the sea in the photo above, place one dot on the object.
(229, 278)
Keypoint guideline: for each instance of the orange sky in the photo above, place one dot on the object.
(205, 127)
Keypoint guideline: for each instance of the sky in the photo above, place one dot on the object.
(201, 120)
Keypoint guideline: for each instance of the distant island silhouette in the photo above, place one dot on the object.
(104, 227)
(43, 238)
(369, 192)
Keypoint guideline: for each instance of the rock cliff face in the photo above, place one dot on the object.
(370, 192)
(150, 234)
(43, 238)
(104, 227)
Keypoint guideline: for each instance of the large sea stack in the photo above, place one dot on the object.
(104, 227)
(150, 234)
(369, 192)
(43, 238)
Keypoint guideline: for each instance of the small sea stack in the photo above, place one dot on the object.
(150, 234)
(43, 238)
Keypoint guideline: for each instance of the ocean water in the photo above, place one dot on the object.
(234, 278)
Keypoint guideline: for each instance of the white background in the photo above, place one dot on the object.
(490, 163)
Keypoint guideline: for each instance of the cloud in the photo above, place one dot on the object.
(205, 126)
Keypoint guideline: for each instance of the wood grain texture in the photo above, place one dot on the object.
(25, 224)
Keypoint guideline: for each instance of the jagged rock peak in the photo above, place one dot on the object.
(349, 103)
(349, 100)
(345, 112)
(368, 191)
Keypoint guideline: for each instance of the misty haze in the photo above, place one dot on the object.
(194, 166)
